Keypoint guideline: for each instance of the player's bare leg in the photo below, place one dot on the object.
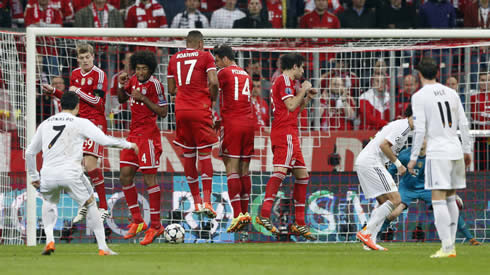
(299, 194)
(96, 176)
(153, 189)
(137, 224)
(443, 220)
(387, 203)
(49, 217)
(204, 156)
(270, 194)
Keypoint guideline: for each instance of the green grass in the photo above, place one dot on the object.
(252, 259)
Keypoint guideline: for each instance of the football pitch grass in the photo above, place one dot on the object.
(240, 258)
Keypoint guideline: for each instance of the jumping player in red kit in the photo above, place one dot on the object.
(237, 132)
(287, 103)
(192, 78)
(90, 84)
(147, 102)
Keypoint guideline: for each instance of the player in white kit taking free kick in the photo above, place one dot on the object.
(438, 114)
(376, 181)
(61, 138)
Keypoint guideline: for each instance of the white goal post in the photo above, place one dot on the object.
(33, 33)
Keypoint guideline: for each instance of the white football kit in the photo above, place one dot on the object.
(61, 138)
(438, 114)
(370, 166)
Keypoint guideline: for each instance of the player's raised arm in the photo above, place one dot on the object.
(122, 81)
(34, 148)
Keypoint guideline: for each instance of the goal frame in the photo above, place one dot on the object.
(33, 33)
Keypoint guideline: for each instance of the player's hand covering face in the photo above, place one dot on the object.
(142, 72)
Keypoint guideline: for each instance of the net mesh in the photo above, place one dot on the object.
(333, 128)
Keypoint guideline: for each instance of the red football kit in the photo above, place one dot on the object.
(193, 115)
(144, 130)
(238, 122)
(92, 103)
(284, 130)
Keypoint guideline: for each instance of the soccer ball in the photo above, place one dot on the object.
(174, 233)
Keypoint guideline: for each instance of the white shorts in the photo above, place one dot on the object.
(375, 180)
(79, 190)
(445, 174)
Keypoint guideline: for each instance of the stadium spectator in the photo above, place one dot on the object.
(437, 14)
(254, 18)
(145, 14)
(261, 106)
(80, 4)
(196, 90)
(191, 17)
(337, 107)
(224, 17)
(397, 14)
(58, 82)
(172, 7)
(41, 14)
(64, 6)
(334, 6)
(5, 16)
(209, 6)
(294, 9)
(358, 16)
(480, 120)
(403, 97)
(476, 14)
(374, 105)
(341, 69)
(11, 13)
(99, 14)
(452, 82)
(147, 101)
(320, 18)
(121, 113)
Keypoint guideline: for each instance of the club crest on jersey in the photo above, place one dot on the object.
(143, 91)
(419, 164)
(83, 81)
(90, 81)
(288, 91)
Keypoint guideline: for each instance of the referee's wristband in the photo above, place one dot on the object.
(397, 163)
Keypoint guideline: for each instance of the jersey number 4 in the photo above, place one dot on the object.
(60, 129)
(448, 113)
(191, 62)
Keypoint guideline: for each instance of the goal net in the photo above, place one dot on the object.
(364, 80)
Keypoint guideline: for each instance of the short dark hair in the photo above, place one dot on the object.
(224, 50)
(194, 37)
(256, 77)
(408, 111)
(69, 101)
(289, 60)
(428, 68)
(143, 58)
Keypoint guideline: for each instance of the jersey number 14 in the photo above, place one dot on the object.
(245, 90)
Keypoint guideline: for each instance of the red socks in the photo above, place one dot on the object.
(245, 192)
(132, 201)
(234, 190)
(154, 196)
(206, 176)
(299, 196)
(97, 178)
(270, 193)
(190, 171)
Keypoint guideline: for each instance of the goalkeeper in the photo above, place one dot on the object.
(411, 187)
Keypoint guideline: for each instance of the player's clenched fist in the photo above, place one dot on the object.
(306, 85)
(123, 78)
(48, 88)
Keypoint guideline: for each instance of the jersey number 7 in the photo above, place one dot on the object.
(60, 129)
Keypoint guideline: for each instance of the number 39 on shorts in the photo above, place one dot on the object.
(89, 143)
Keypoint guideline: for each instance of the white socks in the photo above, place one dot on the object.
(49, 216)
(442, 220)
(377, 218)
(94, 223)
(453, 209)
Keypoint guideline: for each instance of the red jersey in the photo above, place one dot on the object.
(150, 15)
(144, 120)
(261, 109)
(480, 110)
(314, 20)
(333, 116)
(275, 13)
(92, 107)
(234, 83)
(80, 4)
(284, 122)
(190, 69)
(65, 7)
(34, 14)
(15, 7)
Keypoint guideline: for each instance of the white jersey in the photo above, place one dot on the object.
(438, 114)
(395, 132)
(61, 138)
